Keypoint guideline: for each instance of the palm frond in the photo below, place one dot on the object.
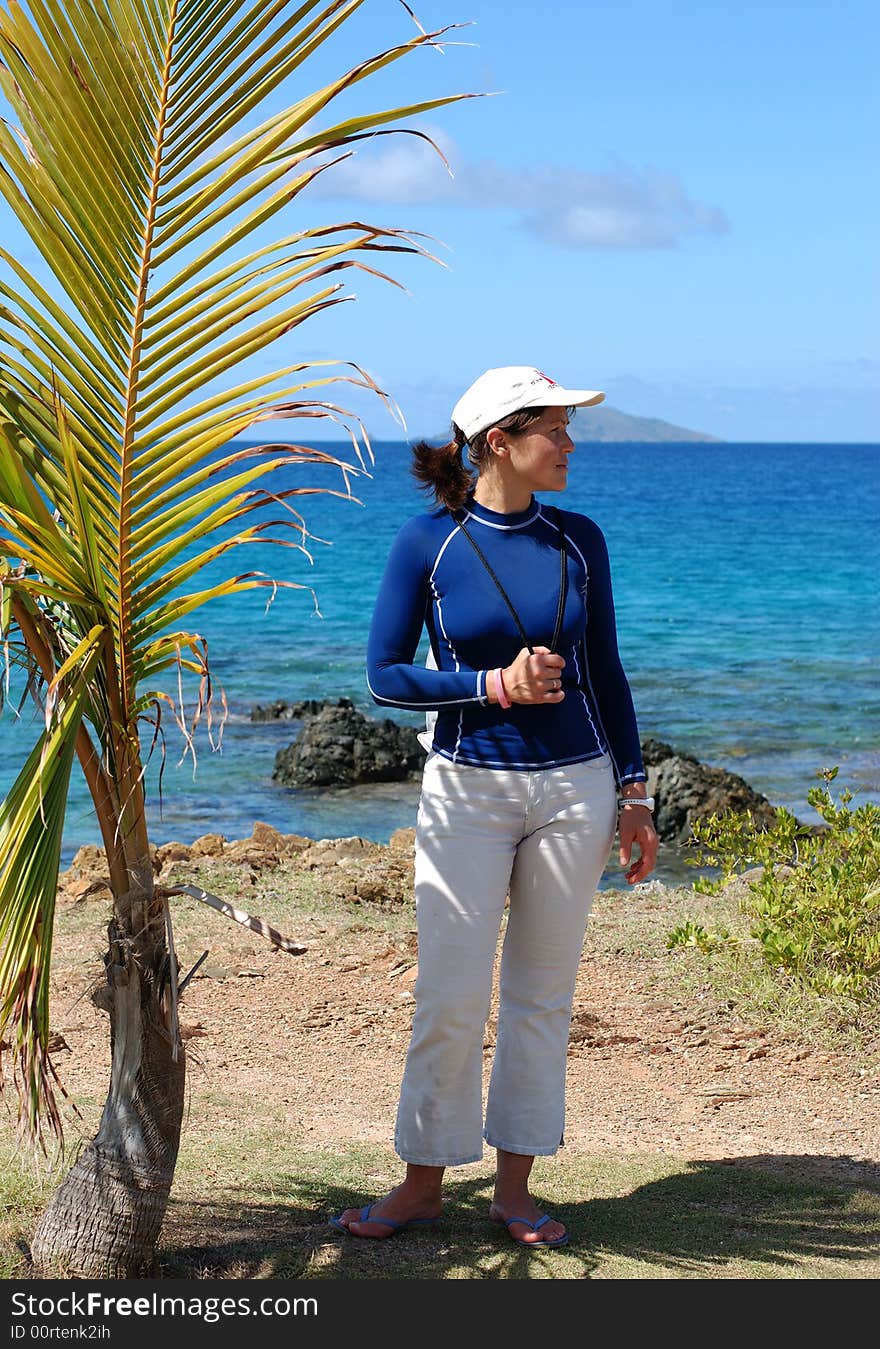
(31, 825)
(147, 163)
(121, 174)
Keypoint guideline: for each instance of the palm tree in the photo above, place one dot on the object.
(144, 167)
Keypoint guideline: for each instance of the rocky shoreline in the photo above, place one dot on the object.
(352, 869)
(338, 746)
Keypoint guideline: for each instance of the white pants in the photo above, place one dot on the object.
(544, 836)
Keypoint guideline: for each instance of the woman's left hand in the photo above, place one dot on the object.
(635, 825)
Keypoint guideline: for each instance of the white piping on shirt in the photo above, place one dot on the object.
(490, 524)
(420, 707)
(502, 763)
(601, 733)
(453, 652)
(599, 737)
(444, 545)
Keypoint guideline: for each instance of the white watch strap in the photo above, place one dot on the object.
(647, 801)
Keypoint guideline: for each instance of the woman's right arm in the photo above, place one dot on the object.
(398, 617)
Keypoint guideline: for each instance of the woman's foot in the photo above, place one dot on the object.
(525, 1222)
(514, 1206)
(405, 1206)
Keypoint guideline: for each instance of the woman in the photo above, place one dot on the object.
(533, 763)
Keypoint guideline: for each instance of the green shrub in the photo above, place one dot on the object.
(814, 907)
(690, 933)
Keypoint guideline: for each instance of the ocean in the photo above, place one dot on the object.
(746, 590)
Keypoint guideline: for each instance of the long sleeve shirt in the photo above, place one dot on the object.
(434, 578)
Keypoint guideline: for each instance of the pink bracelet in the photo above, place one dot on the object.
(500, 691)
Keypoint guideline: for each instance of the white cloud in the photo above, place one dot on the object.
(406, 169)
(625, 210)
(622, 208)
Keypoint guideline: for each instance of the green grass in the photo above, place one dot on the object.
(264, 1216)
(281, 896)
(25, 1189)
(736, 975)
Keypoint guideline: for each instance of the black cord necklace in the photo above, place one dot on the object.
(563, 580)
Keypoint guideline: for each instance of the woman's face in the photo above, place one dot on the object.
(539, 455)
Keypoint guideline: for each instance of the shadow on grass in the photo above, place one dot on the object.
(764, 1216)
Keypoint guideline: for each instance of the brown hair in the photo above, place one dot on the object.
(440, 470)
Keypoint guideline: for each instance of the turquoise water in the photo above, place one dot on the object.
(745, 581)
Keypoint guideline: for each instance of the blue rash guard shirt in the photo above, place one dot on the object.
(434, 577)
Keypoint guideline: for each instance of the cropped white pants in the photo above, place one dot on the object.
(543, 837)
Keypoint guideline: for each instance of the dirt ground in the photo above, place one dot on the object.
(319, 1038)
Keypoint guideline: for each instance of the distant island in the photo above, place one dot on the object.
(605, 423)
(595, 424)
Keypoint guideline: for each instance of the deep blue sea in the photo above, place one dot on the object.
(746, 590)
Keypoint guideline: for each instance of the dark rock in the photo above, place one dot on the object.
(686, 790)
(655, 751)
(298, 711)
(340, 747)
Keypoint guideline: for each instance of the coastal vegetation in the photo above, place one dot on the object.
(148, 158)
(808, 898)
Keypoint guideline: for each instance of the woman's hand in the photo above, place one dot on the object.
(533, 677)
(635, 825)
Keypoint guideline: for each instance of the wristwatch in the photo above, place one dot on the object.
(647, 801)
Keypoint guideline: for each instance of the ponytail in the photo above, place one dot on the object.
(440, 470)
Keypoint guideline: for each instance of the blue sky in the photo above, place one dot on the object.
(675, 203)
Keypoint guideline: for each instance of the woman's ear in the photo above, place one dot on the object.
(496, 441)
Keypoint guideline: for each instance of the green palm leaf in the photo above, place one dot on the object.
(31, 825)
(145, 163)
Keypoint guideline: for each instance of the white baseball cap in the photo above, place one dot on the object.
(498, 393)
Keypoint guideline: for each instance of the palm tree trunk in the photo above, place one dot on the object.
(104, 1220)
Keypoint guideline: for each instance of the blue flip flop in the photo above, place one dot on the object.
(533, 1245)
(364, 1217)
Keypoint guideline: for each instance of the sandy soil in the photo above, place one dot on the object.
(321, 1037)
